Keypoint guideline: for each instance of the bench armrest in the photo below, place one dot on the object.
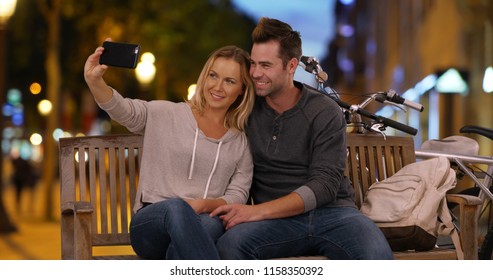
(76, 230)
(76, 207)
(463, 199)
(468, 217)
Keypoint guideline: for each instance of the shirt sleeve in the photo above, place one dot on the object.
(131, 113)
(326, 170)
(308, 197)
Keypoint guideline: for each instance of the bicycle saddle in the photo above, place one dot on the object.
(477, 129)
(452, 144)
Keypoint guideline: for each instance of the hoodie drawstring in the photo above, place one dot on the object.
(193, 153)
(213, 170)
(193, 162)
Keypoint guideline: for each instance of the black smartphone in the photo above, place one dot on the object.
(120, 54)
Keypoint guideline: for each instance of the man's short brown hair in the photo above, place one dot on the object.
(269, 29)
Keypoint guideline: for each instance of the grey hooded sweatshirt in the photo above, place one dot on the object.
(178, 160)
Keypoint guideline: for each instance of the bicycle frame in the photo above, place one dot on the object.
(462, 160)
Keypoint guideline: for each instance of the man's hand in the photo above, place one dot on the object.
(234, 214)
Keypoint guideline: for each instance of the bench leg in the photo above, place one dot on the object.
(469, 232)
(76, 231)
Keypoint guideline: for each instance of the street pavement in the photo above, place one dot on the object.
(34, 240)
(36, 237)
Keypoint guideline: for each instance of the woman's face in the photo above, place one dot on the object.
(223, 84)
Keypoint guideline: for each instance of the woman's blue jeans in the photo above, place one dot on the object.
(171, 229)
(337, 233)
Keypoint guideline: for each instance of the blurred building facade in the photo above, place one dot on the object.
(406, 46)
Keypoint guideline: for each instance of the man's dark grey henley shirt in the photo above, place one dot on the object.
(302, 150)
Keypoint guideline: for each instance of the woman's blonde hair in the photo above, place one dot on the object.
(238, 112)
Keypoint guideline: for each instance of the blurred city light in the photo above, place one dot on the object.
(451, 82)
(191, 91)
(25, 149)
(44, 107)
(35, 88)
(346, 64)
(347, 2)
(105, 126)
(146, 70)
(77, 156)
(37, 153)
(7, 9)
(488, 80)
(148, 57)
(18, 115)
(36, 139)
(14, 96)
(426, 84)
(7, 110)
(58, 133)
(346, 30)
(8, 133)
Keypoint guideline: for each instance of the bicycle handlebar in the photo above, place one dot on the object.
(311, 65)
(380, 119)
(392, 96)
(486, 132)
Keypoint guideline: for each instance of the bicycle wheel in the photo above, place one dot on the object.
(486, 250)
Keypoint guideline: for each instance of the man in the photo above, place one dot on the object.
(303, 203)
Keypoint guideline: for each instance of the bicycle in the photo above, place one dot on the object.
(483, 188)
(463, 152)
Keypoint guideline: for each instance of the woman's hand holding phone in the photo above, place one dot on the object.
(120, 54)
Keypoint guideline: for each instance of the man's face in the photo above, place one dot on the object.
(267, 70)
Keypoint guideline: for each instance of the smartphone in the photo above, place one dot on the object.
(120, 54)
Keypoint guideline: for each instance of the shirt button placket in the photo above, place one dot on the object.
(276, 130)
(275, 134)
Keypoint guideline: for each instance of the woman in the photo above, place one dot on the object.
(195, 158)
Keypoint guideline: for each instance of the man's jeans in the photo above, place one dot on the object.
(171, 229)
(337, 233)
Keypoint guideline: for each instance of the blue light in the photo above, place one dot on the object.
(398, 74)
(411, 94)
(18, 119)
(346, 30)
(7, 110)
(371, 46)
(346, 64)
(346, 2)
(386, 112)
(426, 84)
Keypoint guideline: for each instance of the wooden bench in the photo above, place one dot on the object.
(99, 178)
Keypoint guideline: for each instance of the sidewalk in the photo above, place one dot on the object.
(35, 239)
